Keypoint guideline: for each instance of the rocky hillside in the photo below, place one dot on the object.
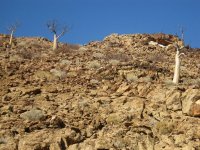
(115, 94)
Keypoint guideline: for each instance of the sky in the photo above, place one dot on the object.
(92, 20)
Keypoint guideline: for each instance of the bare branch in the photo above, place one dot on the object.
(52, 26)
(64, 30)
(178, 47)
(182, 33)
(181, 54)
(13, 27)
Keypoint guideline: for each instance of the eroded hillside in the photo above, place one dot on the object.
(105, 95)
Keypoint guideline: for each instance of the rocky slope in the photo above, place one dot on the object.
(114, 94)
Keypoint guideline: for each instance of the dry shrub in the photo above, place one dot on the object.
(164, 127)
(37, 45)
(26, 54)
(67, 48)
(94, 64)
(157, 58)
(131, 77)
(120, 57)
(114, 62)
(98, 55)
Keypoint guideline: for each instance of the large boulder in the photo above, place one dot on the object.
(191, 102)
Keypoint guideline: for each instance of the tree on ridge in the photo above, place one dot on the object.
(12, 29)
(53, 27)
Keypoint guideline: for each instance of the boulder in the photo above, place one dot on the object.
(173, 101)
(190, 102)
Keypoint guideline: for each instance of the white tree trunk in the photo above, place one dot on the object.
(177, 68)
(11, 37)
(55, 42)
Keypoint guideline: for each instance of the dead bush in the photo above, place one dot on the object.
(157, 58)
(26, 54)
(119, 56)
(67, 48)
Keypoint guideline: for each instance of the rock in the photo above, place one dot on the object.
(8, 143)
(33, 115)
(123, 88)
(56, 122)
(48, 139)
(195, 110)
(179, 139)
(102, 144)
(110, 94)
(134, 106)
(116, 118)
(31, 91)
(173, 101)
(144, 89)
(189, 98)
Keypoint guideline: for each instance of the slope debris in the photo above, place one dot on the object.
(114, 94)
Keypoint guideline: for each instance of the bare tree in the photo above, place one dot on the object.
(177, 64)
(12, 28)
(182, 33)
(53, 27)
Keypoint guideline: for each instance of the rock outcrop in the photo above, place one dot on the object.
(111, 94)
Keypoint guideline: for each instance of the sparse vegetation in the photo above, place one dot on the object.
(53, 27)
(77, 96)
(94, 64)
(98, 55)
(164, 127)
(67, 48)
(12, 29)
(119, 56)
(131, 77)
(114, 62)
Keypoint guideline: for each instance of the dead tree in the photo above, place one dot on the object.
(182, 34)
(12, 29)
(177, 65)
(53, 27)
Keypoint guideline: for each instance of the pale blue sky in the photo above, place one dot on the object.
(94, 19)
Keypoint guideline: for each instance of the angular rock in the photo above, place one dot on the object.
(123, 88)
(195, 110)
(134, 106)
(173, 101)
(189, 98)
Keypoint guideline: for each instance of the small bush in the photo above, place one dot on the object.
(67, 48)
(157, 58)
(193, 82)
(169, 82)
(26, 54)
(58, 73)
(98, 55)
(114, 62)
(65, 62)
(145, 79)
(120, 57)
(94, 64)
(131, 77)
(2, 141)
(164, 127)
